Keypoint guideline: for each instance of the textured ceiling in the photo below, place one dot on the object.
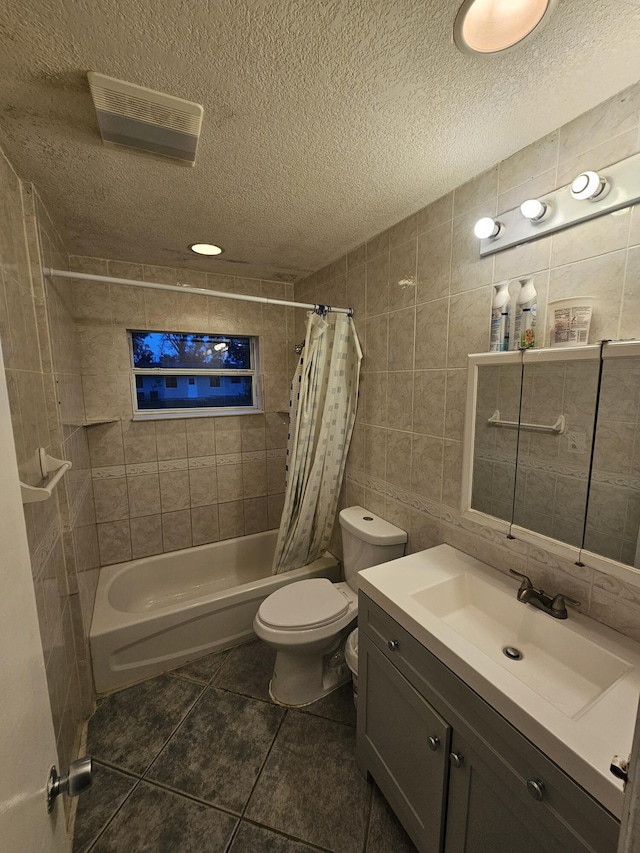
(324, 122)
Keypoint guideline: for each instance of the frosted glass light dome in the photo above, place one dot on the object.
(491, 26)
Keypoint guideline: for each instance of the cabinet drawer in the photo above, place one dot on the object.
(495, 740)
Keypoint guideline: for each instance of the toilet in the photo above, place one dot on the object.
(307, 622)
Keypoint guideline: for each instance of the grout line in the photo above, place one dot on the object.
(367, 828)
(93, 843)
(266, 758)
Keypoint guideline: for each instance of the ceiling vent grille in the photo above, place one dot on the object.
(135, 117)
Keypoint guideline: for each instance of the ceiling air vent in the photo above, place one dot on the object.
(149, 121)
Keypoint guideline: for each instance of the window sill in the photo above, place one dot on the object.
(174, 415)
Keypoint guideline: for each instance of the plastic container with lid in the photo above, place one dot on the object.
(569, 321)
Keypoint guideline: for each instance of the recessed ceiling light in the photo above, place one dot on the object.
(206, 249)
(492, 26)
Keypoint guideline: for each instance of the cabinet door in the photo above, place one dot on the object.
(404, 744)
(489, 809)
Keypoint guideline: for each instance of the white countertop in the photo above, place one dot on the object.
(583, 745)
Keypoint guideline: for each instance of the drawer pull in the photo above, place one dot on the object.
(536, 788)
(456, 759)
(434, 742)
(394, 645)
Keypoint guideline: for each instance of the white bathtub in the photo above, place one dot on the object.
(159, 612)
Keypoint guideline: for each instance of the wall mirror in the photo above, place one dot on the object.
(552, 451)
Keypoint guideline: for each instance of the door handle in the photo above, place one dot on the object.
(456, 759)
(434, 742)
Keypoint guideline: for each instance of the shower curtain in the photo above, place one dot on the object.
(324, 396)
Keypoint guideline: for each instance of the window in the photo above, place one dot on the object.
(193, 374)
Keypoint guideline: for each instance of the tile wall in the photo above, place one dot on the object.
(169, 484)
(36, 333)
(422, 298)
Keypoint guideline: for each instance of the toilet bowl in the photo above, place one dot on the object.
(307, 622)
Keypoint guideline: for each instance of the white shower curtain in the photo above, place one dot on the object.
(324, 396)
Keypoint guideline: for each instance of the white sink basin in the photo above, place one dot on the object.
(566, 669)
(575, 692)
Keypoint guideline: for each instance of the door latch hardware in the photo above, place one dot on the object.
(620, 768)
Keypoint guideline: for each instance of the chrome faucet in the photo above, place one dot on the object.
(555, 606)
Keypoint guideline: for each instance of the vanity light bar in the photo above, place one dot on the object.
(589, 195)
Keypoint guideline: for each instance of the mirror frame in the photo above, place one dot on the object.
(616, 349)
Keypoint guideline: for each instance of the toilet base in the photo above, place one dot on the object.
(300, 680)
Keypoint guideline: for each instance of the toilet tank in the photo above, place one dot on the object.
(368, 540)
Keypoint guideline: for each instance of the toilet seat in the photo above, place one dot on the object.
(310, 603)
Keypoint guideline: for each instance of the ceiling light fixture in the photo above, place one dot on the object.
(487, 227)
(589, 185)
(534, 209)
(206, 249)
(493, 26)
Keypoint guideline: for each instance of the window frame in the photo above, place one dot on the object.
(201, 411)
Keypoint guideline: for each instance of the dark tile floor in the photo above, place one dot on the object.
(201, 761)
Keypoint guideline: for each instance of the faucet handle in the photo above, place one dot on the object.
(525, 581)
(558, 605)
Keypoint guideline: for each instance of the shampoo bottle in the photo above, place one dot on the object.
(526, 315)
(500, 317)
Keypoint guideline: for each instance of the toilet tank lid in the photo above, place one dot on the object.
(370, 527)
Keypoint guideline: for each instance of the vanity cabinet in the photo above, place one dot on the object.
(460, 778)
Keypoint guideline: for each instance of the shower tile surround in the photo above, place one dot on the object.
(422, 298)
(45, 398)
(161, 485)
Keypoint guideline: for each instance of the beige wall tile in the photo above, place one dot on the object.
(146, 536)
(144, 495)
(139, 439)
(254, 479)
(401, 339)
(111, 501)
(114, 542)
(400, 400)
(176, 530)
(231, 519)
(201, 436)
(377, 296)
(204, 524)
(203, 486)
(529, 162)
(275, 505)
(429, 401)
(105, 445)
(432, 320)
(174, 490)
(468, 269)
(255, 515)
(171, 439)
(434, 263)
(436, 213)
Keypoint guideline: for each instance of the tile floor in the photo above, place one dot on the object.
(200, 760)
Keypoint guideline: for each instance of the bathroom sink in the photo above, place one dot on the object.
(571, 686)
(565, 668)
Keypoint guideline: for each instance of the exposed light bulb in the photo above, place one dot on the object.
(534, 209)
(486, 227)
(221, 347)
(589, 185)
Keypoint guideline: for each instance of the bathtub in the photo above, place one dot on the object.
(157, 613)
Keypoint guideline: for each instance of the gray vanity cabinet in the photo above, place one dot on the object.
(460, 778)
(408, 749)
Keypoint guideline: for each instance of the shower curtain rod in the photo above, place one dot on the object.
(201, 291)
